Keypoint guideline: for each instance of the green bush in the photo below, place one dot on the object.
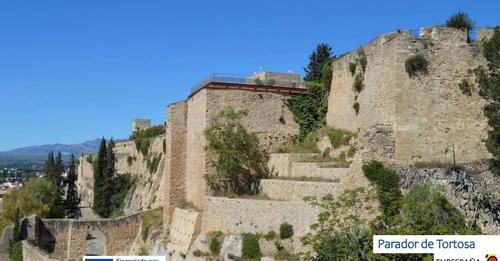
(489, 88)
(16, 252)
(309, 108)
(352, 68)
(121, 186)
(358, 85)
(465, 87)
(271, 235)
(386, 182)
(426, 211)
(214, 246)
(286, 231)
(460, 20)
(416, 64)
(251, 247)
(355, 106)
(238, 160)
(339, 138)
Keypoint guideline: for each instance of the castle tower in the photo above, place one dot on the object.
(140, 124)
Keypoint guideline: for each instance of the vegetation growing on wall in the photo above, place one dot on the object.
(152, 164)
(309, 109)
(358, 85)
(415, 65)
(465, 87)
(362, 60)
(250, 248)
(386, 182)
(352, 68)
(460, 20)
(237, 159)
(286, 230)
(339, 137)
(489, 88)
(151, 219)
(143, 138)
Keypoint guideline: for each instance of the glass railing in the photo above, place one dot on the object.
(240, 79)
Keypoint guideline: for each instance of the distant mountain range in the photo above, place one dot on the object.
(41, 151)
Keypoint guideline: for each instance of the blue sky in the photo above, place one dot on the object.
(71, 71)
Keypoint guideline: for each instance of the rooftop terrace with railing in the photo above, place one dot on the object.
(262, 81)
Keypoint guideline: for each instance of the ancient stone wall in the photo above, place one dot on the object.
(267, 117)
(175, 159)
(195, 143)
(85, 181)
(232, 215)
(66, 239)
(428, 113)
(32, 253)
(146, 192)
(292, 190)
(185, 223)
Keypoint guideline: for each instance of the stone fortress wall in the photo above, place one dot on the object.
(146, 191)
(401, 120)
(267, 117)
(65, 239)
(426, 114)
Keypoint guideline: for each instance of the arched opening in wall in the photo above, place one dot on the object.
(95, 243)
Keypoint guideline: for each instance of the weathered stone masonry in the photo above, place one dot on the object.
(427, 114)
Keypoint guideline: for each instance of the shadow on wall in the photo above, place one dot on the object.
(95, 243)
(44, 237)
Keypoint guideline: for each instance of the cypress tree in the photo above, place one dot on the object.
(318, 58)
(100, 201)
(57, 178)
(48, 169)
(72, 199)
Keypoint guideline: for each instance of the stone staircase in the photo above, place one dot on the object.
(295, 177)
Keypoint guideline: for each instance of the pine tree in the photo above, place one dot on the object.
(318, 58)
(100, 200)
(72, 200)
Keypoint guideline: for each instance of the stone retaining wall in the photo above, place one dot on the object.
(234, 215)
(292, 190)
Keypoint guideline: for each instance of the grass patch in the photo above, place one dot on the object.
(151, 219)
(269, 236)
(339, 138)
(216, 238)
(251, 247)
